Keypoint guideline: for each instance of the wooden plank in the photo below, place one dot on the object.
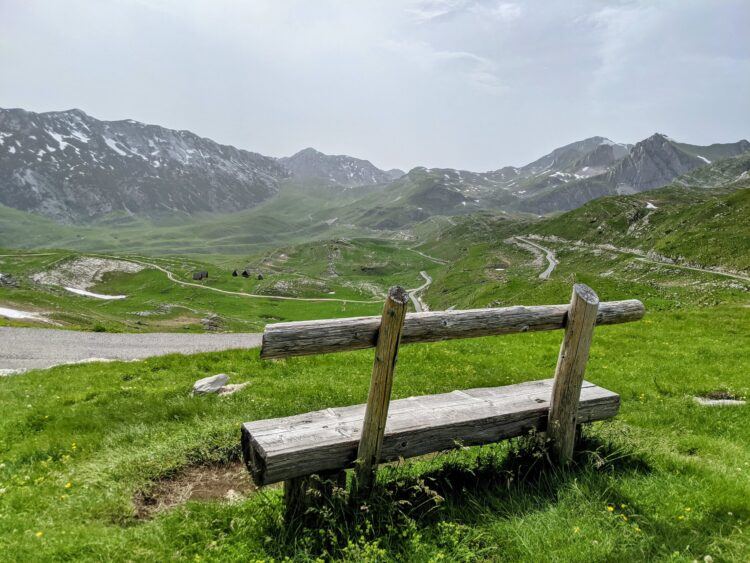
(337, 335)
(571, 365)
(284, 448)
(381, 383)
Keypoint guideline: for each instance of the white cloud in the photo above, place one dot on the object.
(480, 70)
(430, 10)
(501, 11)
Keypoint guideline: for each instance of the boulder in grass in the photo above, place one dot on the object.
(210, 384)
(212, 322)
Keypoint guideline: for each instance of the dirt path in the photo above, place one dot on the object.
(640, 256)
(431, 258)
(548, 254)
(693, 268)
(414, 294)
(38, 348)
(29, 254)
(172, 278)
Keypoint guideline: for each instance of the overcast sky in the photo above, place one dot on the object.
(454, 83)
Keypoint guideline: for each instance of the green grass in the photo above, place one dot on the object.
(484, 270)
(665, 480)
(706, 227)
(481, 269)
(297, 214)
(676, 475)
(355, 272)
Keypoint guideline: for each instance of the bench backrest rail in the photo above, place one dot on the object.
(338, 335)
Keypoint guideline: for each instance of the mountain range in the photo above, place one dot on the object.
(72, 167)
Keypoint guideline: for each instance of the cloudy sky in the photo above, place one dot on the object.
(459, 83)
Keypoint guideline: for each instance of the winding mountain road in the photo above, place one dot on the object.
(419, 305)
(549, 255)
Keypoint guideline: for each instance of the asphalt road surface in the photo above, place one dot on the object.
(549, 255)
(22, 349)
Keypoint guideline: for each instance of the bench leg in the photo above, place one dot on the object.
(302, 492)
(571, 365)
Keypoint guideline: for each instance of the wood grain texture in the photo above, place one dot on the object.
(571, 365)
(284, 448)
(381, 383)
(338, 335)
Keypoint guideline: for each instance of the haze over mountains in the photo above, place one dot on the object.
(72, 167)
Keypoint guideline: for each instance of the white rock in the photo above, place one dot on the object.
(718, 402)
(210, 384)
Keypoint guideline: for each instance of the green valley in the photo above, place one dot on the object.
(121, 461)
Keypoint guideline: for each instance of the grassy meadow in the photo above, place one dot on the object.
(342, 277)
(112, 461)
(665, 480)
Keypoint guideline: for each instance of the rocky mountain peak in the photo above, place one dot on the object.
(342, 170)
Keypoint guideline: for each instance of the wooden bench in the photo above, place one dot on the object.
(327, 442)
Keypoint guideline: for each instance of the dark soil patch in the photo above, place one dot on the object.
(226, 482)
(721, 395)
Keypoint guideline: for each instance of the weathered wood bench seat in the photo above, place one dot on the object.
(293, 448)
(284, 448)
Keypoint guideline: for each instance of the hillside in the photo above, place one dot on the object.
(720, 173)
(564, 179)
(650, 164)
(71, 167)
(708, 228)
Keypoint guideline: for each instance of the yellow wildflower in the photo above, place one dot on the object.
(68, 485)
(610, 508)
(39, 534)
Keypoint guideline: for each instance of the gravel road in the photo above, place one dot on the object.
(414, 294)
(22, 349)
(548, 254)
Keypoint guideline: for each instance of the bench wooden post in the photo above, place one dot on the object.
(571, 365)
(379, 397)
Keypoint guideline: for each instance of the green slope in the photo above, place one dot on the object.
(720, 173)
(298, 213)
(707, 227)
